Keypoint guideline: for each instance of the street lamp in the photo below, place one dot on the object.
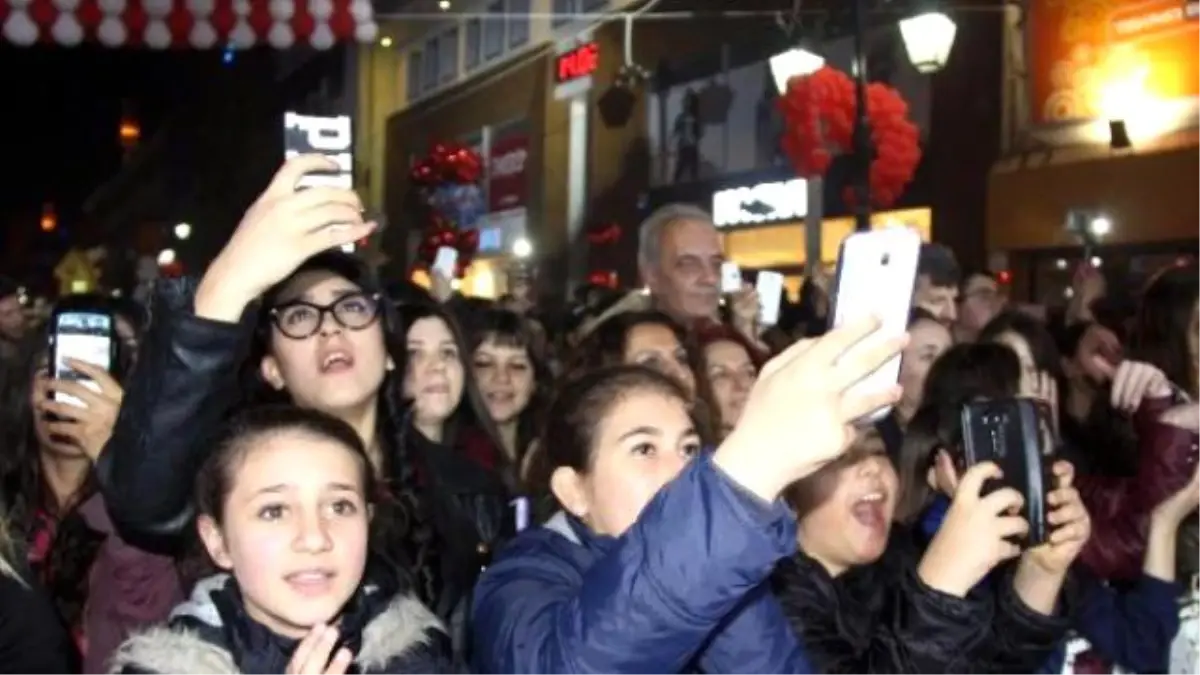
(166, 257)
(928, 38)
(927, 42)
(522, 249)
(793, 63)
(183, 231)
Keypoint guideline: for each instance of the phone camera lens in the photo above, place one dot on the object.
(887, 258)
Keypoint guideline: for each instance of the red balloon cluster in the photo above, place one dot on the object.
(442, 234)
(447, 163)
(608, 233)
(818, 111)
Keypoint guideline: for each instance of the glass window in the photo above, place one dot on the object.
(414, 75)
(595, 5)
(474, 35)
(563, 9)
(518, 22)
(493, 31)
(448, 56)
(429, 73)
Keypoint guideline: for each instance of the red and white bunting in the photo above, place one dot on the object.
(187, 24)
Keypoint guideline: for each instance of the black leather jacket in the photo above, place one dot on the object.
(880, 618)
(187, 381)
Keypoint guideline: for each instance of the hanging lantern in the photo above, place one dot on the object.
(130, 132)
(49, 220)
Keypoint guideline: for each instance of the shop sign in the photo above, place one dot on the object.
(329, 136)
(1119, 59)
(507, 179)
(761, 203)
(581, 61)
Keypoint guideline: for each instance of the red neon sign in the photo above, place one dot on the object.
(579, 62)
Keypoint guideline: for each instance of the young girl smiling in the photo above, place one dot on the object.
(283, 505)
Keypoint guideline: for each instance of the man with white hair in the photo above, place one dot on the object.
(679, 258)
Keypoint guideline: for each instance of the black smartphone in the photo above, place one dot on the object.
(84, 330)
(1015, 433)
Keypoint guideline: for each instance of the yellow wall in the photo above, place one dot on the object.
(783, 245)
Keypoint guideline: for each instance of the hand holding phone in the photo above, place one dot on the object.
(770, 295)
(731, 277)
(83, 333)
(1016, 434)
(876, 273)
(445, 261)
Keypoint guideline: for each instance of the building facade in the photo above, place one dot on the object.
(1100, 126)
(599, 152)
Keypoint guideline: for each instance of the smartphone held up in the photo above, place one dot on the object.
(876, 274)
(81, 330)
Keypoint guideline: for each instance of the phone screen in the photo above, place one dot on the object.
(83, 336)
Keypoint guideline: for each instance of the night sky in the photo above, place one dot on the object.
(61, 110)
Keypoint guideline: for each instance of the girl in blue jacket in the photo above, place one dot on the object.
(656, 562)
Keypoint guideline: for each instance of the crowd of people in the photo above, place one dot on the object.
(295, 467)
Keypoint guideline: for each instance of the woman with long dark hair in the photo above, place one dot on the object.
(513, 378)
(280, 313)
(102, 587)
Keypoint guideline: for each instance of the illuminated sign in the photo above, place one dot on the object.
(320, 135)
(579, 62)
(762, 203)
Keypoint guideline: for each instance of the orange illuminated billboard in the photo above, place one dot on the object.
(1104, 58)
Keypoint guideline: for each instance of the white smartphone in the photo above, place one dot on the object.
(445, 261)
(731, 277)
(770, 292)
(876, 273)
(84, 335)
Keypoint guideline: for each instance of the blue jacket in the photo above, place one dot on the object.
(684, 587)
(1132, 627)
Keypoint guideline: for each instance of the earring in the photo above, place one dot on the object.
(390, 365)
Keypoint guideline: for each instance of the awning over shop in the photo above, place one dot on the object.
(187, 24)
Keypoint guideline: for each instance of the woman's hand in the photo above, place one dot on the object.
(800, 413)
(1069, 523)
(1180, 505)
(974, 537)
(88, 427)
(283, 228)
(312, 654)
(744, 308)
(1133, 382)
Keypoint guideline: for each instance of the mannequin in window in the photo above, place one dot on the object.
(686, 134)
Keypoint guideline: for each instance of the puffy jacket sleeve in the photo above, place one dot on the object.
(755, 638)
(1021, 639)
(885, 621)
(649, 604)
(1120, 507)
(179, 391)
(1132, 627)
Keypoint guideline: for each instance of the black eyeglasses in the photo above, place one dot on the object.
(299, 319)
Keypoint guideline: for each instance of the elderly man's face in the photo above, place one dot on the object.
(687, 281)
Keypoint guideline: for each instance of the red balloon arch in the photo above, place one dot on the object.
(818, 112)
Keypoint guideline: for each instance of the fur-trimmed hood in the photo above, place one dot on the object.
(404, 636)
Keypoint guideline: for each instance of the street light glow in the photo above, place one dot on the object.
(928, 38)
(166, 257)
(183, 231)
(522, 248)
(793, 63)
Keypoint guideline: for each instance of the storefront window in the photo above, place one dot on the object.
(518, 22)
(723, 124)
(448, 56)
(563, 9)
(474, 35)
(429, 75)
(493, 31)
(413, 83)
